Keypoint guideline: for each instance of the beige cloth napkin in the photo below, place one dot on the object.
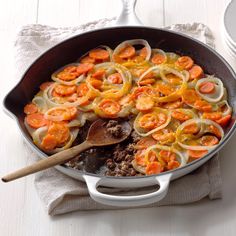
(60, 193)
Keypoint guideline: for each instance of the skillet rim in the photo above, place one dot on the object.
(81, 172)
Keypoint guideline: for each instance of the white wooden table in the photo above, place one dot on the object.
(21, 212)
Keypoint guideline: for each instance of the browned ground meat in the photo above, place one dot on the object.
(112, 160)
(114, 128)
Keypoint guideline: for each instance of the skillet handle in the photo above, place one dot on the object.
(128, 15)
(127, 201)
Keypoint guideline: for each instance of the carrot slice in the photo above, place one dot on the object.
(142, 90)
(167, 155)
(150, 120)
(49, 142)
(158, 59)
(224, 120)
(68, 73)
(84, 68)
(190, 96)
(143, 52)
(36, 120)
(207, 87)
(30, 109)
(215, 131)
(184, 62)
(191, 129)
(202, 105)
(68, 113)
(109, 107)
(99, 74)
(87, 59)
(195, 72)
(165, 89)
(96, 83)
(173, 79)
(153, 168)
(144, 103)
(140, 158)
(180, 116)
(99, 54)
(145, 142)
(172, 165)
(64, 90)
(60, 131)
(45, 85)
(82, 89)
(212, 115)
(127, 52)
(115, 78)
(195, 154)
(209, 140)
(163, 137)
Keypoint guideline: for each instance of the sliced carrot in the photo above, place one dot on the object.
(140, 158)
(212, 115)
(96, 83)
(191, 129)
(64, 90)
(215, 131)
(84, 68)
(145, 142)
(147, 82)
(82, 89)
(184, 62)
(153, 168)
(209, 140)
(68, 73)
(115, 78)
(99, 74)
(167, 155)
(109, 107)
(141, 91)
(202, 105)
(143, 52)
(172, 165)
(197, 153)
(180, 115)
(150, 120)
(49, 142)
(144, 103)
(195, 72)
(60, 131)
(127, 52)
(190, 96)
(207, 87)
(68, 113)
(99, 54)
(224, 120)
(163, 137)
(87, 59)
(45, 85)
(36, 120)
(158, 59)
(30, 108)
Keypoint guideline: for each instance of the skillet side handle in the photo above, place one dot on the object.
(128, 15)
(127, 201)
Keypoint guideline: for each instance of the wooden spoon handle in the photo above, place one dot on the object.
(46, 163)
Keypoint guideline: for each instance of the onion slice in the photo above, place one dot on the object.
(218, 93)
(132, 42)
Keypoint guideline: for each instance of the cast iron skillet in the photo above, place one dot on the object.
(71, 49)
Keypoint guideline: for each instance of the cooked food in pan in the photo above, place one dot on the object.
(177, 111)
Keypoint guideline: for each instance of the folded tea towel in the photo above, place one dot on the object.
(60, 193)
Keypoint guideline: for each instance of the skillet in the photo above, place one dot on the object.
(69, 50)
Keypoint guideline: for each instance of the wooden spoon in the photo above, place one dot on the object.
(97, 136)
